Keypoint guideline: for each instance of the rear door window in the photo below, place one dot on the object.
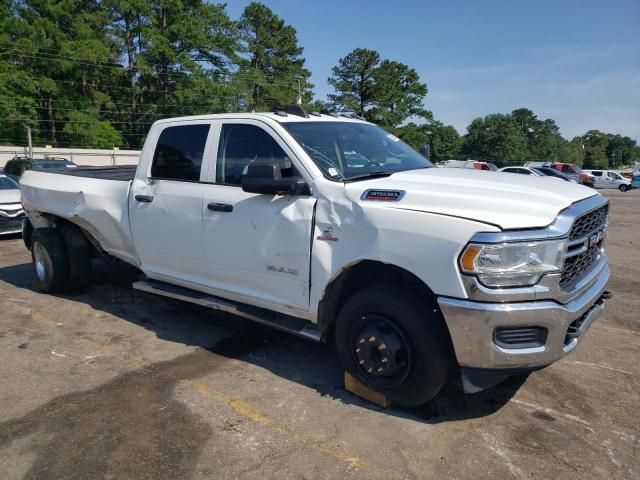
(179, 153)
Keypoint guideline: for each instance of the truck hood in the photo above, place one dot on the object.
(507, 200)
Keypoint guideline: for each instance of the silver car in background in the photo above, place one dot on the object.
(11, 212)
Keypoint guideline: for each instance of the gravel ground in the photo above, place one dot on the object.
(118, 384)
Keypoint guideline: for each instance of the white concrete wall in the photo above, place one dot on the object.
(80, 156)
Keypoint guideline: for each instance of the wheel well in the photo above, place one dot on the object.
(365, 274)
(57, 222)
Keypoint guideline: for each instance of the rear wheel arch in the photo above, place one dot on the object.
(47, 220)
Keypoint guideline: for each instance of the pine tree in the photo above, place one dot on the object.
(385, 92)
(353, 79)
(272, 70)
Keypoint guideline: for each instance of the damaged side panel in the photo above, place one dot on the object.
(431, 243)
(98, 206)
(261, 250)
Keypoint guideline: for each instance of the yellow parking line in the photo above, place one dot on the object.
(258, 417)
(618, 328)
(96, 345)
(35, 316)
(239, 406)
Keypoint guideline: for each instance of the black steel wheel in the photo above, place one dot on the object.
(382, 350)
(395, 343)
(79, 257)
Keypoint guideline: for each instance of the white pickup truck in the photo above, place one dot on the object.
(336, 230)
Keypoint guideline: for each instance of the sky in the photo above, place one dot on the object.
(577, 62)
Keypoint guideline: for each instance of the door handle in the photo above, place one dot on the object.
(220, 207)
(144, 198)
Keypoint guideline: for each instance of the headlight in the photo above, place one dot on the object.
(512, 264)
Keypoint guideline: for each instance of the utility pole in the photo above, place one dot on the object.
(29, 144)
(299, 99)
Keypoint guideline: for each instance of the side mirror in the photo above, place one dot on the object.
(266, 177)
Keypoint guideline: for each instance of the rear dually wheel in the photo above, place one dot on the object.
(49, 260)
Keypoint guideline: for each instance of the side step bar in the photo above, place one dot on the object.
(296, 326)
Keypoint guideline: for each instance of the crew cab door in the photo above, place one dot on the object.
(257, 246)
(166, 203)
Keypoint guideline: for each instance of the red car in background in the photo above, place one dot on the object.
(575, 172)
(482, 166)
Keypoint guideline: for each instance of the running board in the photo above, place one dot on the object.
(287, 323)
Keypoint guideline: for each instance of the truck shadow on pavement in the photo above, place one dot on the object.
(297, 360)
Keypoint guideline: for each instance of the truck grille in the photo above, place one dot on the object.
(10, 224)
(585, 241)
(589, 222)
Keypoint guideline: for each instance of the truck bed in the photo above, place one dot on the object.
(94, 198)
(124, 173)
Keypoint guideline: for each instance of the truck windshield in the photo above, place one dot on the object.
(348, 150)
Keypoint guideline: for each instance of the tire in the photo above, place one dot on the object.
(79, 257)
(623, 188)
(50, 262)
(387, 317)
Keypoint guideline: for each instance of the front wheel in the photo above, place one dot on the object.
(623, 187)
(389, 339)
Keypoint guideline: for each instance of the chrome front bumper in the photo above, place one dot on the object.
(472, 324)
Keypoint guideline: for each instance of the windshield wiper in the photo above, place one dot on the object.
(374, 174)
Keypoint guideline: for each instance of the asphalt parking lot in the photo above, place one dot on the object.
(118, 384)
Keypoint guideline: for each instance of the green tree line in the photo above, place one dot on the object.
(98, 73)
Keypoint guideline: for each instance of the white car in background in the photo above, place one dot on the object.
(538, 172)
(11, 212)
(521, 171)
(610, 179)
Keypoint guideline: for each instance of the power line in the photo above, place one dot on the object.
(77, 60)
(12, 49)
(117, 112)
(10, 46)
(140, 85)
(80, 102)
(88, 122)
